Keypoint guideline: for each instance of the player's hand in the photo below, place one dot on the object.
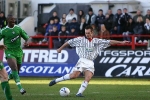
(26, 44)
(2, 47)
(124, 42)
(58, 50)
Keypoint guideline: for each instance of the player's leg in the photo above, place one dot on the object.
(88, 75)
(77, 71)
(18, 66)
(4, 82)
(19, 61)
(73, 75)
(10, 76)
(13, 65)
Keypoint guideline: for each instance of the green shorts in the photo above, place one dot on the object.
(1, 65)
(14, 53)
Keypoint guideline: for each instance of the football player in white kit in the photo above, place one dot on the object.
(87, 48)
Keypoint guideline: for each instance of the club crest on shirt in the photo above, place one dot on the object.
(89, 49)
(13, 32)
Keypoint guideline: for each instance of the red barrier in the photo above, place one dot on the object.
(50, 42)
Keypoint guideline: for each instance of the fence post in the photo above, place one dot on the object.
(50, 42)
(133, 42)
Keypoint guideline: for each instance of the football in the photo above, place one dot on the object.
(64, 91)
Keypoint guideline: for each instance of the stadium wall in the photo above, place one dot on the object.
(109, 63)
(28, 26)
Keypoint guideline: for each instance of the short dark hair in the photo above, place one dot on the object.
(124, 8)
(56, 18)
(89, 27)
(74, 19)
(71, 9)
(63, 26)
(90, 9)
(54, 11)
(147, 18)
(54, 26)
(101, 10)
(51, 19)
(9, 16)
(2, 12)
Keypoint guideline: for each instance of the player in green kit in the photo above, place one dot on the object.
(4, 79)
(12, 35)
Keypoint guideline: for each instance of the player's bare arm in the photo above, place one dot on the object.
(2, 47)
(118, 42)
(63, 46)
(27, 42)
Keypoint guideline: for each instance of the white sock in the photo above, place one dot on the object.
(83, 87)
(63, 78)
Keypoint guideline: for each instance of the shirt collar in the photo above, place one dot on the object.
(9, 27)
(88, 39)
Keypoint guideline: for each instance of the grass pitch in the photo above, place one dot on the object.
(98, 89)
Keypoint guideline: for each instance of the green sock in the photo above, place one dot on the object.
(10, 76)
(17, 79)
(6, 89)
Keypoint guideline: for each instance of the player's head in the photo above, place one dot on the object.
(89, 31)
(10, 20)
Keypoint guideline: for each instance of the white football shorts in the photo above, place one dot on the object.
(84, 64)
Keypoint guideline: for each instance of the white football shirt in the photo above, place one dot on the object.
(88, 49)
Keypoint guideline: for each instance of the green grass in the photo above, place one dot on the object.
(98, 89)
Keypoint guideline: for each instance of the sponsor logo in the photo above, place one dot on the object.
(125, 63)
(125, 60)
(44, 56)
(43, 69)
(15, 38)
(125, 53)
(133, 57)
(128, 71)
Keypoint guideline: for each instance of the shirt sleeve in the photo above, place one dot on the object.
(75, 42)
(24, 34)
(1, 35)
(102, 43)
